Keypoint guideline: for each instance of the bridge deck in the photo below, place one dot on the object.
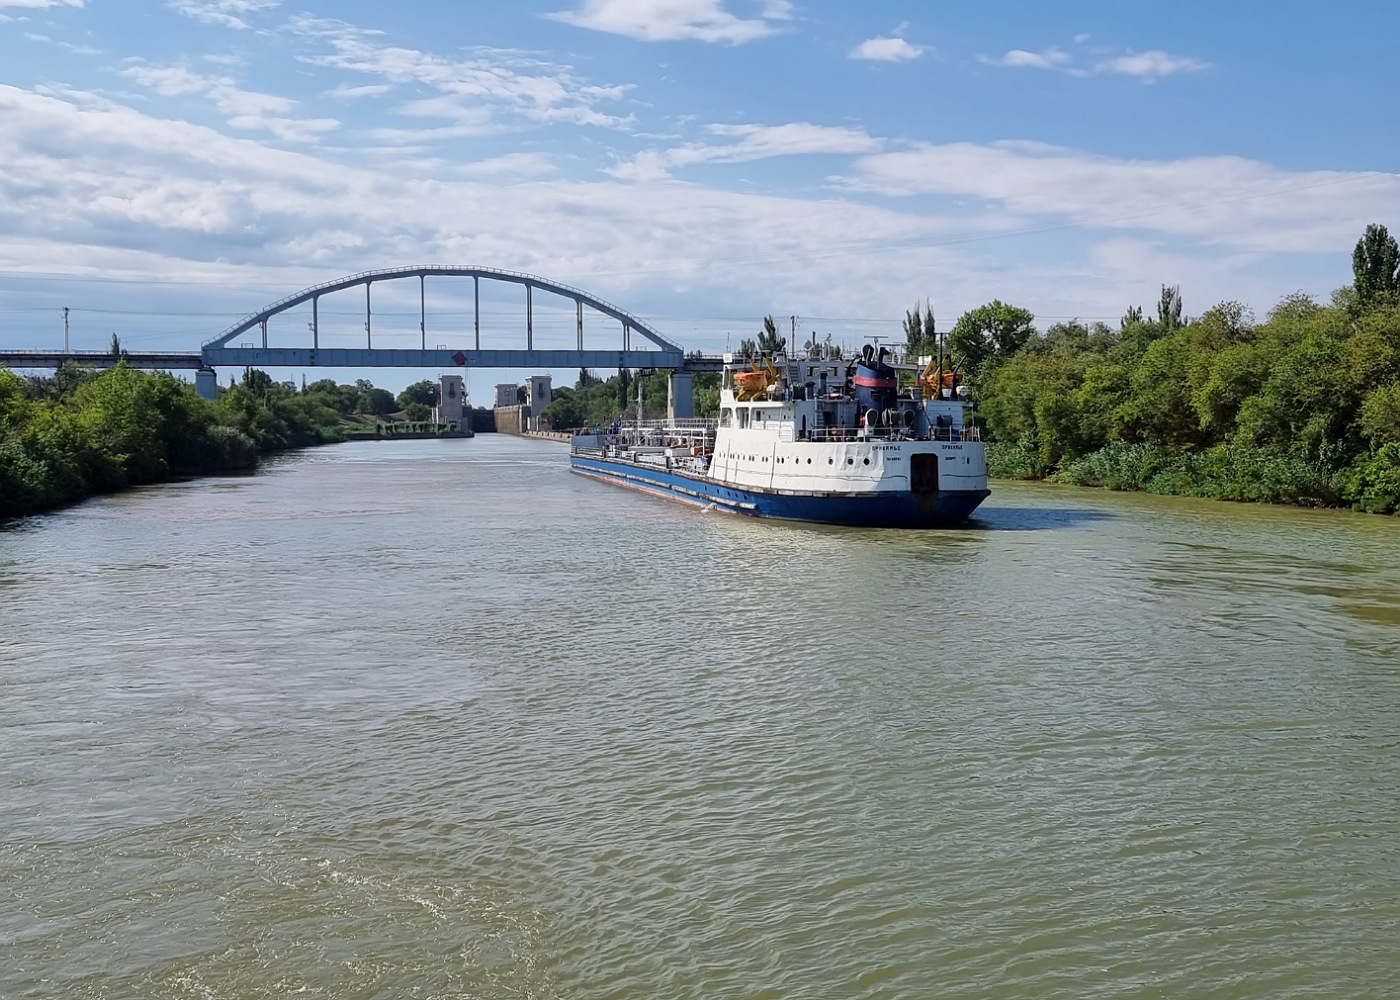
(164, 360)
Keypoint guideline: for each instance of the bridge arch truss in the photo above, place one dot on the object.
(663, 354)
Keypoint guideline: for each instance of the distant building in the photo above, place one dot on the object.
(452, 401)
(538, 395)
(506, 394)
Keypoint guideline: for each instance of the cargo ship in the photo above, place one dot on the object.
(815, 438)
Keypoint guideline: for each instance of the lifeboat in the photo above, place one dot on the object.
(751, 384)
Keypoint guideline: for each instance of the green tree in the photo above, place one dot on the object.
(424, 392)
(1375, 264)
(1169, 308)
(769, 342)
(1380, 414)
(116, 348)
(623, 389)
(416, 411)
(920, 333)
(988, 333)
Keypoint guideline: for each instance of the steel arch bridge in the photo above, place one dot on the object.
(664, 353)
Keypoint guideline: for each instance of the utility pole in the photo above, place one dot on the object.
(65, 329)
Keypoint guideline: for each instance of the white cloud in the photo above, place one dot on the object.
(81, 50)
(91, 184)
(675, 20)
(1146, 66)
(1219, 199)
(247, 109)
(754, 142)
(345, 91)
(229, 13)
(1051, 58)
(494, 81)
(178, 198)
(1152, 65)
(886, 50)
(512, 166)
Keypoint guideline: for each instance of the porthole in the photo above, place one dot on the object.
(809, 461)
(850, 461)
(867, 461)
(830, 461)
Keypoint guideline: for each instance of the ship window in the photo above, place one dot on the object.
(850, 461)
(809, 461)
(726, 419)
(867, 461)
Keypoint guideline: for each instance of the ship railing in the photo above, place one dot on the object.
(840, 434)
(679, 424)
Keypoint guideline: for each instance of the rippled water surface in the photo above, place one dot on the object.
(438, 719)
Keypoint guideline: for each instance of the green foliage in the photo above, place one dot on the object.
(1018, 459)
(705, 394)
(596, 403)
(1303, 408)
(769, 342)
(1372, 483)
(1375, 264)
(1221, 473)
(1169, 308)
(424, 393)
(83, 432)
(375, 402)
(416, 412)
(989, 333)
(920, 332)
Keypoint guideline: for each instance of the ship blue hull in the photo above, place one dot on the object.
(862, 510)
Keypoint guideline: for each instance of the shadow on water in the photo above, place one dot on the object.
(1034, 518)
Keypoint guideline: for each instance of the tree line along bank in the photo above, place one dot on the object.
(81, 432)
(1302, 407)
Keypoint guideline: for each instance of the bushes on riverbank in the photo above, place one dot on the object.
(1303, 408)
(83, 432)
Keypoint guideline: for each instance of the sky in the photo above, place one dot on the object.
(169, 166)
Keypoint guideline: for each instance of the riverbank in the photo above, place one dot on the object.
(82, 433)
(1302, 409)
(1242, 475)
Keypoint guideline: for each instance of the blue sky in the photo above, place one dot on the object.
(167, 166)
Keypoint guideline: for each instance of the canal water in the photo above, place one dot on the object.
(438, 719)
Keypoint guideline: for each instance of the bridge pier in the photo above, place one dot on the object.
(206, 383)
(680, 396)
